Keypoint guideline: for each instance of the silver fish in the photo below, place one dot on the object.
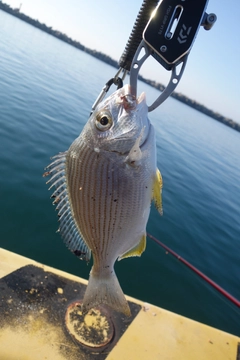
(104, 185)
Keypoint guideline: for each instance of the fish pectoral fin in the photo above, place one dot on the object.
(135, 154)
(136, 250)
(157, 191)
(105, 290)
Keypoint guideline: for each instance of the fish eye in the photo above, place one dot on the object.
(103, 120)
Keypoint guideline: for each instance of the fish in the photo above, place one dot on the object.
(103, 188)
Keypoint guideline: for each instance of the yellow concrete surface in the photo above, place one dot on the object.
(154, 334)
(161, 335)
(10, 262)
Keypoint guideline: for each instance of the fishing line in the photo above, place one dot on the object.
(198, 272)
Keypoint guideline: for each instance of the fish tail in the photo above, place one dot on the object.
(105, 290)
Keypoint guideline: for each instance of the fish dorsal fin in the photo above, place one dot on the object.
(68, 229)
(157, 191)
(136, 250)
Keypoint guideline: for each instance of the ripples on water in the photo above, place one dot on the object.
(46, 89)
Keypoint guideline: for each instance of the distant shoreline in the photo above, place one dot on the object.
(107, 59)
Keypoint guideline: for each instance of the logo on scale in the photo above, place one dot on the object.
(184, 32)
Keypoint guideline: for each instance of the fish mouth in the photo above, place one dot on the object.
(130, 104)
(129, 101)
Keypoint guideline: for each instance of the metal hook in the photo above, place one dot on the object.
(136, 65)
(173, 82)
(116, 80)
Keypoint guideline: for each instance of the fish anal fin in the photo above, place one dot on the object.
(136, 250)
(105, 290)
(157, 191)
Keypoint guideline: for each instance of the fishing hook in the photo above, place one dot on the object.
(116, 80)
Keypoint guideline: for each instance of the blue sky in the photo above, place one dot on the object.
(212, 75)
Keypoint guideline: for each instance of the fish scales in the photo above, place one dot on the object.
(116, 203)
(109, 178)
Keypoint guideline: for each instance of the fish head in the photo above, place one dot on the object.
(118, 121)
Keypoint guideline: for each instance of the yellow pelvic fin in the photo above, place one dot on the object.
(157, 191)
(136, 250)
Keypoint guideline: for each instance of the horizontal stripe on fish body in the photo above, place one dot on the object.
(109, 200)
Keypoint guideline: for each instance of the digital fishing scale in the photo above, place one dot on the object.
(165, 31)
